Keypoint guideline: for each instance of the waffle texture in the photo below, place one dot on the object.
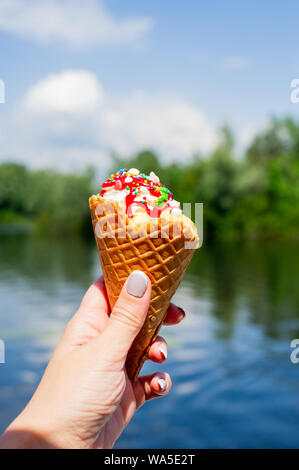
(156, 247)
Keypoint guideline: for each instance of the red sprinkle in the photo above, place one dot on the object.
(153, 188)
(118, 185)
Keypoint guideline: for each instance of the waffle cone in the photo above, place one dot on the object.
(155, 246)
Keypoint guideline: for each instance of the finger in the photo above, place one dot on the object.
(158, 350)
(151, 386)
(96, 296)
(174, 315)
(127, 316)
(92, 316)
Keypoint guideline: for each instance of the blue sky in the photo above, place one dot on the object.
(183, 67)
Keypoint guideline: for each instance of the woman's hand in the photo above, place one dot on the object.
(85, 398)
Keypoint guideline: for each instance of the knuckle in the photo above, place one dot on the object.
(70, 327)
(127, 315)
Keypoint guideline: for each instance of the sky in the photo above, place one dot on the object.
(86, 79)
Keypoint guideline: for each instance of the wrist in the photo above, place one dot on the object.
(20, 434)
(17, 438)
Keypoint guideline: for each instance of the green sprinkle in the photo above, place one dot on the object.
(127, 187)
(161, 201)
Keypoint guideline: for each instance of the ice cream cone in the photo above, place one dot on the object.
(155, 246)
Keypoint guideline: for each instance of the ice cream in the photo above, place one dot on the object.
(140, 193)
(139, 226)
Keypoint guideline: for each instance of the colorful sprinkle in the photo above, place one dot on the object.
(135, 184)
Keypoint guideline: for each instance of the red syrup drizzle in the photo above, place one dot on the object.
(118, 183)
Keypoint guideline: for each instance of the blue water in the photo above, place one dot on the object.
(234, 385)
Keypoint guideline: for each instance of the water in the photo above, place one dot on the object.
(233, 382)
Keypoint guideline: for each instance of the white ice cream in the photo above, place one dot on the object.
(113, 194)
(116, 195)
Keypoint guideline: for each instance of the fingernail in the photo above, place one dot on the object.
(137, 284)
(182, 312)
(163, 350)
(162, 384)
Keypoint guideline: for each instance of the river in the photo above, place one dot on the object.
(234, 385)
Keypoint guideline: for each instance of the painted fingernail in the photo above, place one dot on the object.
(182, 312)
(137, 284)
(163, 350)
(162, 384)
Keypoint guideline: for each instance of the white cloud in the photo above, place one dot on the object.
(67, 119)
(70, 92)
(173, 126)
(75, 22)
(236, 63)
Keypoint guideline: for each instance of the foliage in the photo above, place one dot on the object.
(256, 196)
(58, 203)
(249, 197)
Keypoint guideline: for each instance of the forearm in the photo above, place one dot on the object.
(21, 434)
(16, 438)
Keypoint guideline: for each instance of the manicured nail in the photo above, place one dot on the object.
(163, 350)
(162, 384)
(137, 284)
(182, 312)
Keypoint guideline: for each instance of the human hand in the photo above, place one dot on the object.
(85, 399)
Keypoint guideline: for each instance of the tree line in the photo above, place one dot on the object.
(256, 196)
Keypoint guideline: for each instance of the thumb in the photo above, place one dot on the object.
(128, 315)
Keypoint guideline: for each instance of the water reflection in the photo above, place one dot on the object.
(234, 385)
(44, 261)
(258, 279)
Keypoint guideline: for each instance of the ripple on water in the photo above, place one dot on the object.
(233, 382)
